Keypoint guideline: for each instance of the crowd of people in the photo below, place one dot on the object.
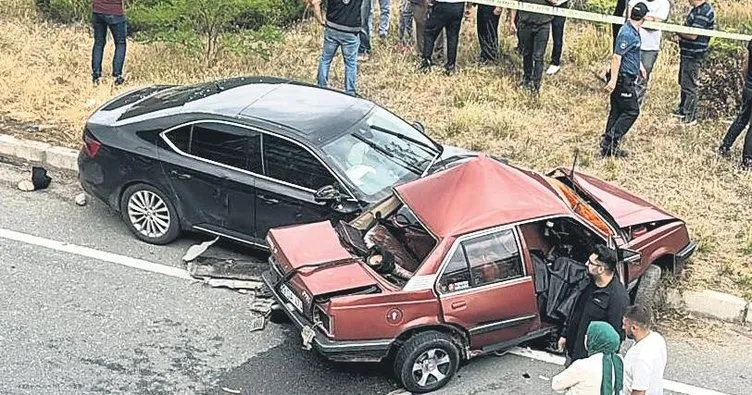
(635, 51)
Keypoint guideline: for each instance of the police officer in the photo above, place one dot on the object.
(625, 67)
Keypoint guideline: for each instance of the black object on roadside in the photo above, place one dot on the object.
(39, 178)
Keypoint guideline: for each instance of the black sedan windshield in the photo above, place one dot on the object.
(381, 151)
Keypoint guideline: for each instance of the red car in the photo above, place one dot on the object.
(483, 256)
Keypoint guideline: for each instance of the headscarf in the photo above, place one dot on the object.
(602, 338)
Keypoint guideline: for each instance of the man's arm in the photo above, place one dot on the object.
(638, 393)
(616, 312)
(316, 5)
(615, 66)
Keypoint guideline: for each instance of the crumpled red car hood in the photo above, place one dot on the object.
(315, 249)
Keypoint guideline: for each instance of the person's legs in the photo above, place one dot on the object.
(540, 42)
(648, 59)
(384, 17)
(742, 120)
(327, 54)
(525, 33)
(488, 35)
(557, 34)
(97, 51)
(350, 43)
(689, 81)
(119, 28)
(365, 27)
(614, 112)
(629, 108)
(434, 24)
(453, 25)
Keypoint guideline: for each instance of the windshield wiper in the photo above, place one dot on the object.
(428, 148)
(389, 155)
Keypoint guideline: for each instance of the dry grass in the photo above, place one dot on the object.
(44, 79)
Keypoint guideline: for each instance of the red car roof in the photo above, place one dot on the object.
(478, 194)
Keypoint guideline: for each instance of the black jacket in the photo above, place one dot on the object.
(595, 304)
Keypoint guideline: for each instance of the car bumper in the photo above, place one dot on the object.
(686, 252)
(341, 351)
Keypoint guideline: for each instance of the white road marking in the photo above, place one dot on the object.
(668, 385)
(95, 254)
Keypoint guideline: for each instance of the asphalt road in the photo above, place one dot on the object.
(71, 324)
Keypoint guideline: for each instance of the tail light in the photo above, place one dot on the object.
(91, 146)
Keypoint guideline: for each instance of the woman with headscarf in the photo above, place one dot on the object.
(601, 373)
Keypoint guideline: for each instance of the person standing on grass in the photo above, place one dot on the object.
(421, 11)
(658, 11)
(446, 15)
(108, 14)
(645, 361)
(604, 299)
(620, 11)
(744, 119)
(364, 48)
(625, 68)
(341, 29)
(405, 30)
(557, 34)
(693, 49)
(487, 25)
(534, 29)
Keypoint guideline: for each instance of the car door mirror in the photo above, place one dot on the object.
(419, 126)
(327, 194)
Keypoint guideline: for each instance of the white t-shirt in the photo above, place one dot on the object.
(651, 39)
(644, 365)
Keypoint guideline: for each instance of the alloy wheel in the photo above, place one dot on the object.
(431, 366)
(149, 214)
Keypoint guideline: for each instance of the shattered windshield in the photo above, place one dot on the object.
(381, 151)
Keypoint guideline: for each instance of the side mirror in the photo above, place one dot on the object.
(419, 126)
(327, 193)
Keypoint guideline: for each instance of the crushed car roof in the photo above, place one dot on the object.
(478, 194)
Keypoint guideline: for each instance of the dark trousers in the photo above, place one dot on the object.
(623, 114)
(448, 17)
(534, 39)
(744, 119)
(621, 7)
(689, 76)
(420, 15)
(118, 26)
(557, 34)
(488, 33)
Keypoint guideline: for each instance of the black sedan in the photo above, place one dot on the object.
(238, 156)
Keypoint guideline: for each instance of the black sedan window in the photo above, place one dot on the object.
(291, 163)
(220, 143)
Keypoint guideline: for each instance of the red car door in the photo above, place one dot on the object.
(484, 287)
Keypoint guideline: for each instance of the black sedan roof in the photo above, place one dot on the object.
(313, 113)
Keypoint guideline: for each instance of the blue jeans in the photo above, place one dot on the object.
(118, 26)
(383, 17)
(366, 14)
(349, 42)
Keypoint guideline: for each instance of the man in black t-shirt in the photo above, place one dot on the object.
(744, 119)
(604, 299)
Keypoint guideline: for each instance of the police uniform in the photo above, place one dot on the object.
(624, 105)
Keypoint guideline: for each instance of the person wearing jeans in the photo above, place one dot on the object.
(534, 30)
(383, 18)
(405, 31)
(364, 49)
(108, 14)
(744, 119)
(341, 29)
(692, 50)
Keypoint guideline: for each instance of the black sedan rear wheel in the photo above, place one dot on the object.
(149, 214)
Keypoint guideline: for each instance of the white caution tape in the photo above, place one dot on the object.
(594, 17)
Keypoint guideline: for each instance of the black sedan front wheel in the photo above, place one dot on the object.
(149, 214)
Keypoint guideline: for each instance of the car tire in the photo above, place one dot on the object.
(149, 215)
(647, 286)
(426, 362)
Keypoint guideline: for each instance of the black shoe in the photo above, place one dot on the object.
(724, 151)
(95, 80)
(119, 80)
(449, 70)
(615, 153)
(425, 65)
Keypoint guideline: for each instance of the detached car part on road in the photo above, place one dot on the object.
(495, 253)
(238, 156)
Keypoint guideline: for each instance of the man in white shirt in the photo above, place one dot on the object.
(646, 360)
(658, 11)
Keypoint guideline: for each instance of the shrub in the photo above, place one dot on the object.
(721, 79)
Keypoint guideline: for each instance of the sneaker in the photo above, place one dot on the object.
(425, 65)
(119, 80)
(688, 123)
(677, 113)
(724, 151)
(95, 80)
(553, 69)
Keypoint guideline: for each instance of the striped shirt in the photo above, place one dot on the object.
(703, 17)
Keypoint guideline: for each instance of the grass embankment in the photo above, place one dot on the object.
(44, 80)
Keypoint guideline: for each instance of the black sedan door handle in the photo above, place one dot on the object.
(179, 175)
(268, 200)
